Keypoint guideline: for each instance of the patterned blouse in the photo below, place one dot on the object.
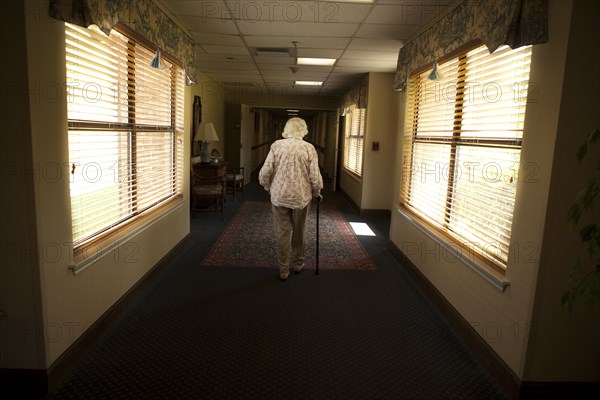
(291, 173)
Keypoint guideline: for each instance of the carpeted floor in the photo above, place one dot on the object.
(200, 332)
(249, 241)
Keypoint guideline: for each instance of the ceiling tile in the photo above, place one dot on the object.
(213, 49)
(274, 67)
(293, 77)
(375, 44)
(297, 30)
(363, 37)
(295, 11)
(303, 42)
(370, 55)
(215, 66)
(224, 57)
(360, 69)
(382, 31)
(210, 25)
(412, 13)
(219, 39)
(319, 53)
(235, 77)
(300, 68)
(274, 60)
(206, 9)
(362, 63)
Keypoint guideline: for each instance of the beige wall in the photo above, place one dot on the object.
(68, 304)
(211, 95)
(373, 191)
(512, 322)
(566, 347)
(21, 342)
(381, 127)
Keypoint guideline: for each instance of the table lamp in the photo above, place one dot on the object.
(205, 132)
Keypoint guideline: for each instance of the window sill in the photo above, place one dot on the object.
(490, 275)
(352, 174)
(120, 241)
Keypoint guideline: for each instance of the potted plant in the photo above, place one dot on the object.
(584, 282)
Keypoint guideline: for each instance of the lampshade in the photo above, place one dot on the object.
(205, 132)
(435, 74)
(157, 62)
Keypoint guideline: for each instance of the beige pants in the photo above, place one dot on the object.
(289, 231)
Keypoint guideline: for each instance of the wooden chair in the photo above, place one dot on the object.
(208, 191)
(234, 179)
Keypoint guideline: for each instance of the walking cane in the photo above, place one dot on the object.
(317, 265)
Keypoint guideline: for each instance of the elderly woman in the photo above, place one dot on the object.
(291, 176)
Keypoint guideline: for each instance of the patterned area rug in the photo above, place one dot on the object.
(249, 240)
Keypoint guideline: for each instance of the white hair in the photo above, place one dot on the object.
(295, 128)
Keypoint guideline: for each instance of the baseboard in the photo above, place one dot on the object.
(36, 384)
(24, 383)
(365, 212)
(558, 390)
(497, 367)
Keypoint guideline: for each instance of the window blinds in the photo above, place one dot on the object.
(462, 147)
(354, 139)
(125, 131)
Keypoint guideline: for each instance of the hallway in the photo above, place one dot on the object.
(239, 333)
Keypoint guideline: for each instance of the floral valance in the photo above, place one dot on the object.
(142, 16)
(356, 95)
(494, 22)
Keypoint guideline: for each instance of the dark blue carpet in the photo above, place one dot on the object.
(200, 332)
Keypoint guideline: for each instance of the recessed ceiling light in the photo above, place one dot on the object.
(315, 61)
(308, 83)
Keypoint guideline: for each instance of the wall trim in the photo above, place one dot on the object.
(38, 382)
(558, 390)
(375, 212)
(366, 212)
(24, 383)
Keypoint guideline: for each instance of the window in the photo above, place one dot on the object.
(125, 122)
(354, 133)
(462, 148)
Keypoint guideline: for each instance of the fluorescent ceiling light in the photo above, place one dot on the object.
(361, 229)
(308, 83)
(292, 111)
(315, 61)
